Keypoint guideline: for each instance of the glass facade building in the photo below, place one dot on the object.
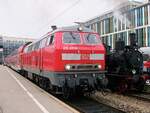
(130, 16)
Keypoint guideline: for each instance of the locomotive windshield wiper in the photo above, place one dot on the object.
(88, 36)
(73, 37)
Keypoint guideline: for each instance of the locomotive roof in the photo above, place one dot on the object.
(72, 28)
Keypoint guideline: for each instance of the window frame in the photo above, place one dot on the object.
(98, 38)
(80, 37)
(49, 37)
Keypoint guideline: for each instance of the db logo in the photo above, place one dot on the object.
(85, 56)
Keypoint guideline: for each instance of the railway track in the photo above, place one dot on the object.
(88, 105)
(85, 104)
(142, 96)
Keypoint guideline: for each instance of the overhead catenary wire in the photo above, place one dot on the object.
(59, 15)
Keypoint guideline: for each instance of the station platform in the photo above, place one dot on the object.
(19, 95)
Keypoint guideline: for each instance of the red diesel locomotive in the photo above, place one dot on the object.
(67, 61)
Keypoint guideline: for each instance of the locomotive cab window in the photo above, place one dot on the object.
(50, 40)
(37, 45)
(91, 39)
(71, 38)
(43, 43)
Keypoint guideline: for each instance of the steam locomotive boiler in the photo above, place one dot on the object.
(125, 66)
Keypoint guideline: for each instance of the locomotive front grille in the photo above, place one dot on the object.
(84, 67)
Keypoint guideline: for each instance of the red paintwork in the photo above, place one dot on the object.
(15, 60)
(49, 57)
(12, 60)
(147, 64)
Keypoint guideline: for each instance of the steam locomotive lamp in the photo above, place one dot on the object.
(124, 66)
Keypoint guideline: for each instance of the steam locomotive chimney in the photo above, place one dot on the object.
(133, 41)
(120, 44)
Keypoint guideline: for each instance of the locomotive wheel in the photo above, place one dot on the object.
(140, 85)
(46, 84)
(36, 80)
(66, 92)
(123, 87)
(40, 82)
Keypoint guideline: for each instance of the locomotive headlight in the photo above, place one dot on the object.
(148, 82)
(80, 28)
(100, 66)
(134, 71)
(68, 67)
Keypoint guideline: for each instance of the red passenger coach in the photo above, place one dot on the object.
(66, 61)
(14, 60)
(146, 66)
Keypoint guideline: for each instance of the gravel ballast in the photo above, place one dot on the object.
(124, 103)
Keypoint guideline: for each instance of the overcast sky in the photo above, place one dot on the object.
(33, 18)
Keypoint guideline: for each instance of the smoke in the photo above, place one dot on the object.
(122, 18)
(118, 15)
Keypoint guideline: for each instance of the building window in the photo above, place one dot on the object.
(114, 40)
(133, 18)
(128, 20)
(110, 41)
(111, 25)
(98, 28)
(146, 15)
(107, 25)
(141, 37)
(103, 27)
(123, 37)
(115, 25)
(139, 17)
(123, 22)
(119, 25)
(148, 36)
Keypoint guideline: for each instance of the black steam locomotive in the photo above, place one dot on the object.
(125, 66)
